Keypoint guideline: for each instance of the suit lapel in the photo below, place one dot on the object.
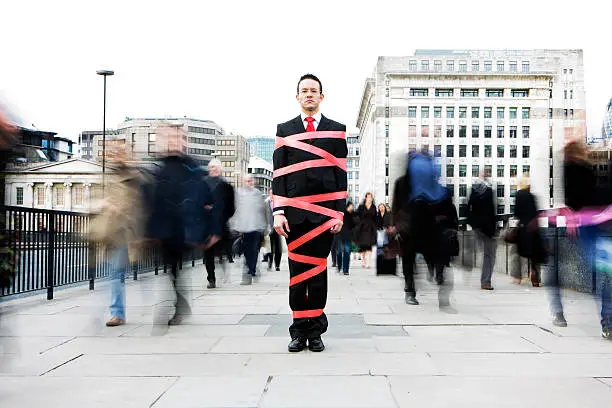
(324, 125)
(298, 125)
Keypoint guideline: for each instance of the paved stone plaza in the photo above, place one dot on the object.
(500, 350)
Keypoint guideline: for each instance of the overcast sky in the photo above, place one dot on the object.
(237, 62)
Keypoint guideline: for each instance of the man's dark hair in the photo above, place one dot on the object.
(310, 76)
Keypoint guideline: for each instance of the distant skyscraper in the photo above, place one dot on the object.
(607, 122)
(262, 146)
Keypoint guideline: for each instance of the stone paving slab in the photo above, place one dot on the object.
(198, 331)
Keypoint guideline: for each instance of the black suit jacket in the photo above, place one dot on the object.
(316, 180)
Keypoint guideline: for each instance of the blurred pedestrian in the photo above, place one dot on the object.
(250, 220)
(482, 218)
(364, 234)
(345, 236)
(387, 244)
(223, 194)
(276, 250)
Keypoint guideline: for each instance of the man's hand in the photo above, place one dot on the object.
(337, 228)
(281, 225)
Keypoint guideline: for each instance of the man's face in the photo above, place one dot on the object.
(214, 170)
(309, 96)
(249, 182)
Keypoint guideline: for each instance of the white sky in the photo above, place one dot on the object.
(237, 62)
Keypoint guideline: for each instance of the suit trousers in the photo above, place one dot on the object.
(310, 294)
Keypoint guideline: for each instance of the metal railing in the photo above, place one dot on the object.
(51, 249)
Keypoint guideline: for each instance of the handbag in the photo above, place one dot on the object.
(393, 248)
(511, 235)
(452, 241)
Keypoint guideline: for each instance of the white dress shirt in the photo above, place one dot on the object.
(317, 119)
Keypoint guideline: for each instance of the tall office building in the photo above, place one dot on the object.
(262, 146)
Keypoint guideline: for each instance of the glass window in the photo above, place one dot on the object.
(462, 190)
(475, 66)
(513, 152)
(451, 189)
(526, 169)
(450, 112)
(462, 170)
(571, 114)
(19, 194)
(487, 66)
(571, 94)
(525, 132)
(419, 92)
(462, 150)
(513, 66)
(500, 190)
(59, 195)
(450, 150)
(412, 65)
(412, 148)
(450, 131)
(437, 150)
(412, 111)
(78, 195)
(462, 112)
(512, 132)
(525, 66)
(500, 132)
(500, 151)
(488, 131)
(425, 65)
(438, 131)
(500, 66)
(501, 209)
(412, 131)
(512, 190)
(488, 151)
(500, 113)
(526, 152)
(475, 151)
(488, 170)
(437, 65)
(424, 111)
(350, 175)
(571, 71)
(565, 94)
(447, 93)
(475, 131)
(463, 210)
(450, 66)
(450, 170)
(520, 93)
(564, 113)
(475, 112)
(513, 113)
(424, 131)
(513, 170)
(475, 170)
(437, 111)
(526, 113)
(494, 93)
(500, 171)
(488, 112)
(462, 131)
(462, 66)
(469, 93)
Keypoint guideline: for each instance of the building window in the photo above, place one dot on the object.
(513, 113)
(59, 196)
(450, 66)
(513, 152)
(40, 195)
(356, 163)
(571, 114)
(425, 112)
(438, 131)
(412, 147)
(425, 66)
(500, 171)
(462, 131)
(501, 190)
(451, 189)
(19, 194)
(412, 65)
(412, 131)
(571, 94)
(462, 112)
(488, 130)
(494, 93)
(520, 93)
(488, 112)
(564, 113)
(152, 140)
(571, 71)
(500, 66)
(525, 66)
(77, 193)
(450, 170)
(513, 170)
(526, 170)
(512, 132)
(462, 170)
(500, 151)
(424, 131)
(450, 150)
(462, 150)
(412, 111)
(565, 94)
(469, 93)
(488, 151)
(488, 170)
(526, 152)
(525, 132)
(437, 65)
(501, 209)
(437, 150)
(419, 92)
(526, 112)
(475, 131)
(475, 66)
(550, 113)
(462, 66)
(488, 66)
(500, 112)
(450, 131)
(462, 190)
(475, 170)
(475, 151)
(445, 93)
(450, 112)
(349, 175)
(437, 111)
(513, 65)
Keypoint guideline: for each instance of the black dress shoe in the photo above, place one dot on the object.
(316, 344)
(298, 344)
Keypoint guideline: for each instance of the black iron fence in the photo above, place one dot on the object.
(51, 249)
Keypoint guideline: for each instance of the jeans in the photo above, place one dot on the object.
(343, 256)
(118, 266)
(488, 257)
(603, 265)
(251, 242)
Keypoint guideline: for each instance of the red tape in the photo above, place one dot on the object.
(307, 203)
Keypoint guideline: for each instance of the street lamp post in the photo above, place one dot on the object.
(104, 73)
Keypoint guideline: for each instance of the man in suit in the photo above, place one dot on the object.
(307, 297)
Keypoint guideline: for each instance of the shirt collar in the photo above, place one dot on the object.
(317, 117)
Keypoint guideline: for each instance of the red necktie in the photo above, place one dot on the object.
(310, 126)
